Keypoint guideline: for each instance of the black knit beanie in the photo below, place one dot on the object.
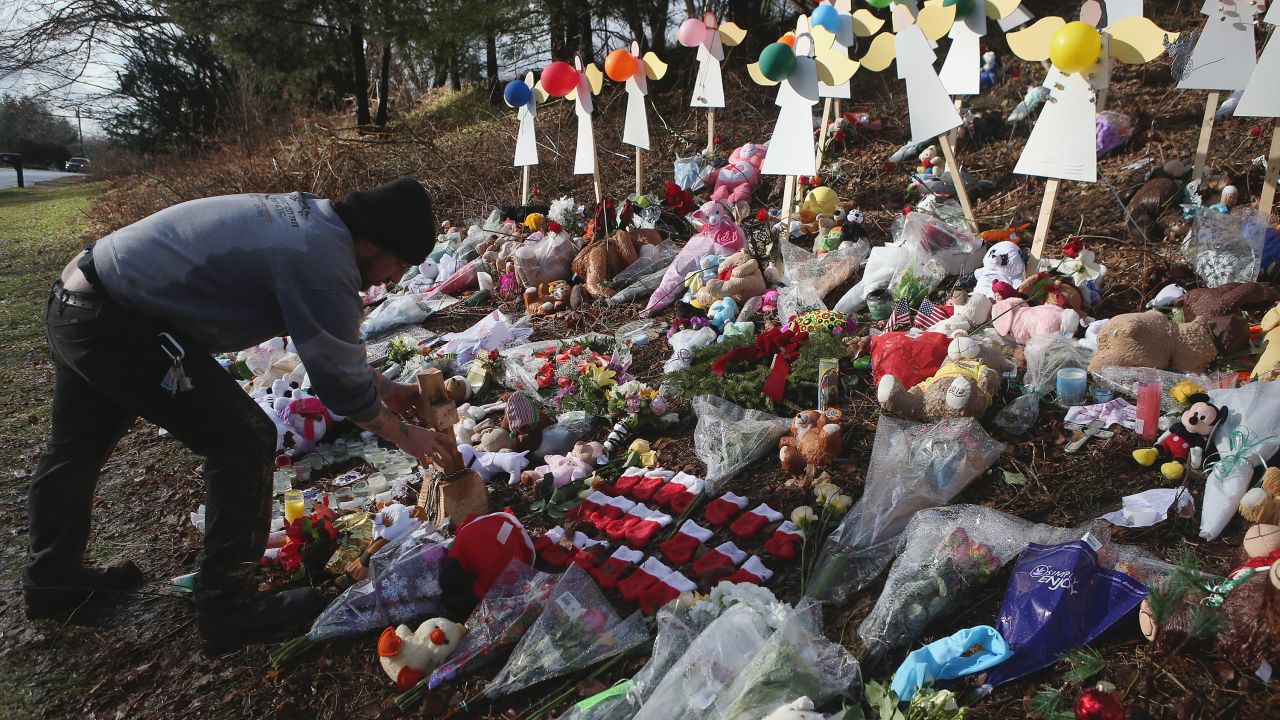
(396, 217)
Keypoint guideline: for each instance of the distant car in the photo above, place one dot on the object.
(78, 164)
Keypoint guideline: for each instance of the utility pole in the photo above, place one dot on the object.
(81, 129)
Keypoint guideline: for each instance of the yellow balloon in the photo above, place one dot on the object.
(1075, 47)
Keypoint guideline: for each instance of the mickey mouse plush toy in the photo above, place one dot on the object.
(1185, 440)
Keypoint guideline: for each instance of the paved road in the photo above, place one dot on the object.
(9, 176)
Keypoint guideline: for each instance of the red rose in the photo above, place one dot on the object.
(564, 382)
(1255, 131)
(762, 215)
(1073, 246)
(553, 226)
(890, 166)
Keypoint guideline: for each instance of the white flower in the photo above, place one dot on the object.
(803, 515)
(839, 503)
(825, 490)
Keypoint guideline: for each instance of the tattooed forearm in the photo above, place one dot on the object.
(381, 382)
(385, 424)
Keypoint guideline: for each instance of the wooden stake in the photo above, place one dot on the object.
(1268, 196)
(711, 132)
(788, 189)
(1206, 129)
(962, 194)
(1042, 223)
(822, 133)
(639, 174)
(595, 178)
(524, 187)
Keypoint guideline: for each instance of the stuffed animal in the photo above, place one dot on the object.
(829, 236)
(696, 281)
(600, 260)
(962, 387)
(719, 235)
(1249, 601)
(564, 469)
(408, 655)
(1001, 264)
(722, 311)
(968, 312)
(1222, 306)
(488, 463)
(1150, 339)
(821, 200)
(548, 298)
(1262, 504)
(308, 421)
(458, 388)
(734, 183)
(1157, 197)
(1014, 318)
(812, 445)
(1053, 289)
(1268, 365)
(738, 277)
(1185, 440)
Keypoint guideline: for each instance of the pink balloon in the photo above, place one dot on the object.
(692, 32)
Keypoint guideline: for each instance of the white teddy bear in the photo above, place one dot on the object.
(1002, 263)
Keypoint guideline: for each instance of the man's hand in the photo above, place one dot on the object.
(401, 398)
(429, 445)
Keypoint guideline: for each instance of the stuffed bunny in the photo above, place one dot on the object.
(1014, 318)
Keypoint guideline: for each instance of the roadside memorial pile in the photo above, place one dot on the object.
(705, 422)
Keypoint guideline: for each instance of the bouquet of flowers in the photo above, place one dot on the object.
(578, 628)
(312, 541)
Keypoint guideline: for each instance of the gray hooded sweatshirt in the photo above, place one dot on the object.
(235, 270)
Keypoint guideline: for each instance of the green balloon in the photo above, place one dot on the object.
(778, 61)
(963, 7)
(879, 3)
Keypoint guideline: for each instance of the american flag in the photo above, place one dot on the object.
(901, 315)
(929, 315)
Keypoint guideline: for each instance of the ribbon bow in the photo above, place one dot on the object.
(782, 345)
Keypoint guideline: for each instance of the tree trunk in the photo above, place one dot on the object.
(586, 47)
(658, 15)
(455, 70)
(635, 22)
(491, 63)
(359, 73)
(558, 29)
(384, 86)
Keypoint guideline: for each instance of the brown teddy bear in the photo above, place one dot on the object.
(813, 444)
(1250, 600)
(1262, 504)
(744, 281)
(962, 387)
(1150, 339)
(548, 298)
(1221, 306)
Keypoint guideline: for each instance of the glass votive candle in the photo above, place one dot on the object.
(281, 481)
(1072, 383)
(378, 482)
(294, 506)
(313, 461)
(340, 451)
(1102, 395)
(302, 471)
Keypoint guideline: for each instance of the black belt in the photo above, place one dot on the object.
(88, 301)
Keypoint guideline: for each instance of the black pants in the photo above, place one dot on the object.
(109, 364)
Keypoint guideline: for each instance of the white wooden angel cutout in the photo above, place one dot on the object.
(1225, 54)
(1063, 142)
(589, 81)
(932, 112)
(710, 37)
(962, 69)
(1261, 98)
(646, 68)
(526, 140)
(791, 147)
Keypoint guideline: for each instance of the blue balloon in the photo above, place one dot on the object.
(827, 16)
(517, 94)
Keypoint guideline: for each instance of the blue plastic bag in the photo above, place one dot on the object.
(949, 658)
(1058, 598)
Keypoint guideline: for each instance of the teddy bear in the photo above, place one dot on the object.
(1262, 504)
(968, 312)
(1185, 440)
(719, 235)
(1268, 365)
(734, 183)
(1014, 318)
(738, 276)
(601, 259)
(306, 421)
(1150, 339)
(695, 281)
(1221, 306)
(547, 298)
(1002, 271)
(564, 469)
(1249, 600)
(408, 655)
(812, 445)
(722, 312)
(799, 709)
(1154, 200)
(1053, 289)
(962, 387)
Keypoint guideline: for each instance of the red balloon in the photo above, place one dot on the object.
(1095, 704)
(559, 78)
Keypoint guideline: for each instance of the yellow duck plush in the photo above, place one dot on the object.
(1268, 366)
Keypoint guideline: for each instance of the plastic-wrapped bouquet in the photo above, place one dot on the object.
(577, 628)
